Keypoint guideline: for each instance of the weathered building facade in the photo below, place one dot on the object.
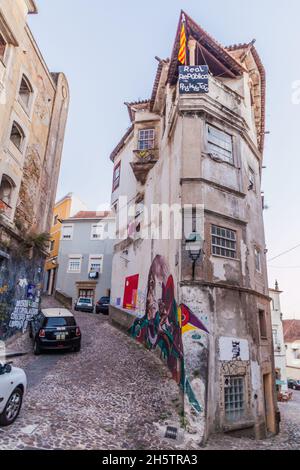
(66, 207)
(33, 113)
(207, 309)
(85, 256)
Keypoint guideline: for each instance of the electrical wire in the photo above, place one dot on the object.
(284, 253)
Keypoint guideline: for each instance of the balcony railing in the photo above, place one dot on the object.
(143, 162)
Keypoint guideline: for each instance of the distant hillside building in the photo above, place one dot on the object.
(33, 112)
(278, 340)
(85, 255)
(291, 331)
(200, 298)
(66, 207)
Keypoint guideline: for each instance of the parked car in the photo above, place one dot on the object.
(103, 305)
(55, 328)
(84, 304)
(13, 384)
(294, 384)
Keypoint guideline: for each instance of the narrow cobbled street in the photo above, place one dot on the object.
(112, 395)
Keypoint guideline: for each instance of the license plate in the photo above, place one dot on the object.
(60, 336)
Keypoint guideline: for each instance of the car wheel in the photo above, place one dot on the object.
(36, 349)
(77, 348)
(12, 409)
(294, 387)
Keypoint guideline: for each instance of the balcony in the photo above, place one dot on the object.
(5, 209)
(143, 162)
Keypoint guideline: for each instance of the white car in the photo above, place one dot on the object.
(13, 384)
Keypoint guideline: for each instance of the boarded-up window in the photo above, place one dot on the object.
(219, 143)
(262, 324)
(25, 91)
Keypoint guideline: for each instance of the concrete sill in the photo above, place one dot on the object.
(238, 426)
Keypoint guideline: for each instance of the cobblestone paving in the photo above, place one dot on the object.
(288, 439)
(111, 395)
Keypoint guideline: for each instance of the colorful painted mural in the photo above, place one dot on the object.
(165, 323)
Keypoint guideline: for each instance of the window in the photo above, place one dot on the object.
(219, 143)
(2, 47)
(96, 264)
(86, 293)
(6, 190)
(252, 185)
(25, 92)
(116, 177)
(223, 242)
(74, 264)
(17, 136)
(146, 139)
(296, 353)
(234, 398)
(257, 260)
(67, 232)
(262, 324)
(52, 244)
(97, 232)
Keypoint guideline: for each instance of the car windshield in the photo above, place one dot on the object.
(85, 301)
(60, 321)
(104, 299)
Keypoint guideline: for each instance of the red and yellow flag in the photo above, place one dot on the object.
(182, 47)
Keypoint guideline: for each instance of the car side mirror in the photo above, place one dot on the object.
(7, 369)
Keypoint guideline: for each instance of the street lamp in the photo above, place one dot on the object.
(194, 245)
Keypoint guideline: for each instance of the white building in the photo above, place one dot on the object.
(291, 331)
(278, 340)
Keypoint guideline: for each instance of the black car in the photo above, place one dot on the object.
(294, 384)
(55, 328)
(103, 305)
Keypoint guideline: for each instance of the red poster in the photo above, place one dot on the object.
(130, 292)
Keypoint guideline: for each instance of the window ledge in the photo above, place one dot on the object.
(225, 257)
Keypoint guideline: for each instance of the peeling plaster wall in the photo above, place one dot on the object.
(33, 168)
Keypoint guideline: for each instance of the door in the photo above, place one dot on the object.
(269, 403)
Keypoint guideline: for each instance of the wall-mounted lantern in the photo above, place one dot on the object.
(194, 245)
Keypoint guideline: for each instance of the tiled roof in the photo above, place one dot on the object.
(121, 144)
(209, 44)
(291, 330)
(141, 104)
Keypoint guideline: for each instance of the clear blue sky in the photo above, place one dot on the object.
(107, 51)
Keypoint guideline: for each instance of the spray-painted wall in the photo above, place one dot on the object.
(20, 291)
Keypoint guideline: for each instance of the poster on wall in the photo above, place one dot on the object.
(193, 79)
(130, 292)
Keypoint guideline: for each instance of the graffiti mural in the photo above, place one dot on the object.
(20, 291)
(164, 324)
